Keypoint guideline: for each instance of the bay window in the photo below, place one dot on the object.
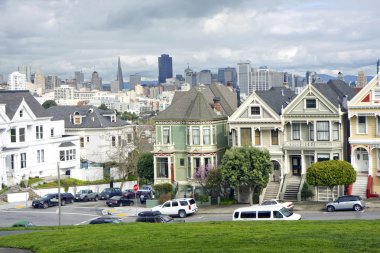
(323, 131)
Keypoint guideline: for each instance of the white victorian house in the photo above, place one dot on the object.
(257, 123)
(31, 143)
(102, 134)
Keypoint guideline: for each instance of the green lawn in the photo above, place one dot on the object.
(219, 237)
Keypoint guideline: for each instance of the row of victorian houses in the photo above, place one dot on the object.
(322, 122)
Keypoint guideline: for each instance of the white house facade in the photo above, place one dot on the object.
(31, 143)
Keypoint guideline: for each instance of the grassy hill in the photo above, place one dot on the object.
(287, 236)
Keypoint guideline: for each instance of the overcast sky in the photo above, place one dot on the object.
(60, 37)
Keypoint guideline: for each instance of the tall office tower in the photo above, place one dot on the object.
(79, 78)
(39, 82)
(115, 86)
(165, 68)
(1, 78)
(190, 76)
(51, 82)
(120, 75)
(179, 78)
(378, 66)
(361, 81)
(26, 70)
(17, 81)
(204, 77)
(244, 76)
(264, 79)
(96, 81)
(133, 80)
(311, 77)
(227, 75)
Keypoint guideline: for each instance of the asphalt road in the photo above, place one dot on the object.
(83, 212)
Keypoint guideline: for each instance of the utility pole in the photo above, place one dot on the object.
(59, 195)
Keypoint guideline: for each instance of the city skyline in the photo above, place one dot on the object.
(62, 37)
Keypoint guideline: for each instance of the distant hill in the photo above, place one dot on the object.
(347, 78)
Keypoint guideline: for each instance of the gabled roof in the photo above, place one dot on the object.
(92, 117)
(335, 90)
(13, 98)
(276, 97)
(197, 104)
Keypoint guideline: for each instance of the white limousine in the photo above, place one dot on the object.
(257, 212)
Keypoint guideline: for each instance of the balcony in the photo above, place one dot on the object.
(312, 144)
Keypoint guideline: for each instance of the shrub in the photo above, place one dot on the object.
(227, 201)
(165, 197)
(203, 198)
(162, 189)
(306, 191)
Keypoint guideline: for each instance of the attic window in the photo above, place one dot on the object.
(311, 103)
(255, 111)
(376, 95)
(21, 113)
(113, 118)
(77, 120)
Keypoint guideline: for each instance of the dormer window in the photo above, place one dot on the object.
(311, 103)
(21, 113)
(255, 110)
(376, 95)
(113, 118)
(77, 120)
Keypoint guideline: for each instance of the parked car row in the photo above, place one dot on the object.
(51, 199)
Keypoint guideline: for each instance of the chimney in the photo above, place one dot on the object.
(217, 106)
(238, 96)
(344, 103)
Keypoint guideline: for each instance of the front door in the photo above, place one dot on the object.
(296, 165)
(361, 156)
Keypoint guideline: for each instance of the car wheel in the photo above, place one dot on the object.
(63, 202)
(45, 205)
(182, 213)
(121, 204)
(357, 208)
(330, 209)
(96, 198)
(85, 199)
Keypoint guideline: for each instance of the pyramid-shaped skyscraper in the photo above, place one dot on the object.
(120, 75)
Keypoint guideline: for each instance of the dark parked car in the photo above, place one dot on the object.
(155, 217)
(348, 202)
(119, 201)
(103, 220)
(109, 193)
(51, 199)
(144, 196)
(129, 194)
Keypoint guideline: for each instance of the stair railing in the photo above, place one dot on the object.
(284, 182)
(303, 178)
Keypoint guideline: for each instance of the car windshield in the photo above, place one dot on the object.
(116, 197)
(83, 191)
(286, 212)
(280, 201)
(47, 196)
(106, 191)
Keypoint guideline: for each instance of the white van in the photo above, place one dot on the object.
(257, 212)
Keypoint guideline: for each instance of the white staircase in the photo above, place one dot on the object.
(271, 191)
(292, 188)
(360, 186)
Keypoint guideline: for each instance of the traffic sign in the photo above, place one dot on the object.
(136, 187)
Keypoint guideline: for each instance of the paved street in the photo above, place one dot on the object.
(82, 212)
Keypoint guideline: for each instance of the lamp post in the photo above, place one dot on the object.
(59, 195)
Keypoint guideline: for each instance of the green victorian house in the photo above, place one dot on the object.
(192, 133)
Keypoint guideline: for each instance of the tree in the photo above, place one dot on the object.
(330, 173)
(201, 174)
(126, 151)
(246, 166)
(49, 103)
(145, 166)
(103, 107)
(214, 182)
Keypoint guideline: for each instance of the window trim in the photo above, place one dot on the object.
(320, 131)
(310, 99)
(357, 124)
(255, 115)
(167, 140)
(271, 137)
(299, 131)
(22, 161)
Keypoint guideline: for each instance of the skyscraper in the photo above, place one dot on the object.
(227, 75)
(361, 81)
(96, 81)
(244, 76)
(133, 80)
(79, 78)
(204, 77)
(165, 68)
(27, 71)
(17, 81)
(120, 75)
(264, 78)
(378, 66)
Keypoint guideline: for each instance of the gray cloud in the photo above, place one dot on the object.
(65, 36)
